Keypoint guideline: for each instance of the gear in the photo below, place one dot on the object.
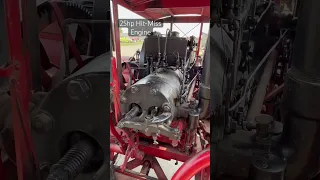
(87, 4)
(70, 9)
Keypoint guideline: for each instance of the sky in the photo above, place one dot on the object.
(185, 27)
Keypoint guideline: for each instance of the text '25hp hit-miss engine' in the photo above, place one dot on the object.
(161, 101)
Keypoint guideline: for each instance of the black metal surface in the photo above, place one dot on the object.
(175, 46)
(101, 32)
(302, 97)
(268, 169)
(4, 55)
(260, 92)
(88, 115)
(204, 91)
(3, 37)
(73, 162)
(31, 43)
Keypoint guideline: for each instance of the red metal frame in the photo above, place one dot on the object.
(157, 9)
(146, 150)
(193, 166)
(117, 36)
(199, 41)
(20, 92)
(143, 152)
(52, 42)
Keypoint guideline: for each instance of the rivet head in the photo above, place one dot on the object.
(134, 89)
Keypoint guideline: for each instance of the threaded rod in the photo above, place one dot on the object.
(73, 162)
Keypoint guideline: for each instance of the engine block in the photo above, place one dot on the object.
(150, 104)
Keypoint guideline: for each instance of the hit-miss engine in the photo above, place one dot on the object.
(163, 102)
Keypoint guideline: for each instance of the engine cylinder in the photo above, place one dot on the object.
(160, 90)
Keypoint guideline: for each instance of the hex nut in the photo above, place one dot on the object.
(166, 108)
(78, 88)
(153, 91)
(42, 122)
(123, 100)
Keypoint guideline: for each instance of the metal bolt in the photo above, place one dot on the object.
(166, 108)
(78, 88)
(120, 124)
(123, 99)
(176, 136)
(42, 122)
(262, 163)
(134, 89)
(174, 143)
(193, 104)
(153, 91)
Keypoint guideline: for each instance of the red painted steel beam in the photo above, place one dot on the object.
(115, 148)
(173, 4)
(117, 38)
(20, 93)
(167, 4)
(193, 166)
(186, 19)
(199, 41)
(135, 175)
(72, 44)
(163, 152)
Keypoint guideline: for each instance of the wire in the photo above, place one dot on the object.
(265, 11)
(255, 71)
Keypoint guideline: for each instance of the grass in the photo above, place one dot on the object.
(131, 43)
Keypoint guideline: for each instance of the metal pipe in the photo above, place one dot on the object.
(191, 89)
(171, 23)
(194, 165)
(117, 38)
(116, 134)
(236, 53)
(258, 99)
(184, 75)
(252, 75)
(301, 97)
(159, 54)
(115, 148)
(204, 103)
(165, 45)
(265, 11)
(199, 42)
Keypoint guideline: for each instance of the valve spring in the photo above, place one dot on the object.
(73, 162)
